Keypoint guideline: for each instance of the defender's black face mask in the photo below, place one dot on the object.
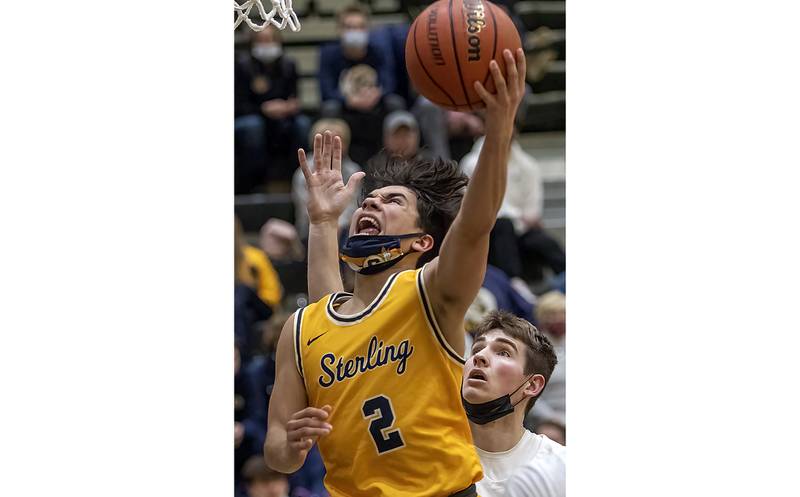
(494, 409)
(371, 254)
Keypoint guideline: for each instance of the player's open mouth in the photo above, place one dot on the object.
(368, 225)
(476, 375)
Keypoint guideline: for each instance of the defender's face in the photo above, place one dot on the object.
(495, 367)
(391, 210)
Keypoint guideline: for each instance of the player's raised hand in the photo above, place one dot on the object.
(501, 107)
(305, 427)
(328, 196)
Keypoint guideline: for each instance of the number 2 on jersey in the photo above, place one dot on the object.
(379, 410)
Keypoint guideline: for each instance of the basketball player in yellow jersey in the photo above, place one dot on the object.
(374, 376)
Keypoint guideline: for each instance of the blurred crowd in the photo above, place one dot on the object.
(366, 99)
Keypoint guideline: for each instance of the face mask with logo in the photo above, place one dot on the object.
(492, 410)
(355, 38)
(371, 254)
(267, 52)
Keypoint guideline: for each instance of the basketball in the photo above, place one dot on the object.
(449, 47)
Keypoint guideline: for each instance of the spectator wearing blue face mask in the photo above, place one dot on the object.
(356, 46)
(269, 127)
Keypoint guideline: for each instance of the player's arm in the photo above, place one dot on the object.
(293, 426)
(455, 277)
(328, 197)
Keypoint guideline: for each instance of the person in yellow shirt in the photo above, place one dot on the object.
(373, 376)
(254, 269)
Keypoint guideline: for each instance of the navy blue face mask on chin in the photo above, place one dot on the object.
(371, 254)
(487, 412)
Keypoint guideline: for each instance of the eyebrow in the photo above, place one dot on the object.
(504, 340)
(388, 195)
(507, 341)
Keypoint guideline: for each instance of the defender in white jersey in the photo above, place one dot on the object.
(509, 365)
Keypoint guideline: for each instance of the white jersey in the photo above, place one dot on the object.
(535, 467)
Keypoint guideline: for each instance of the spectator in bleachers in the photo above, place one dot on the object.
(509, 7)
(497, 293)
(394, 36)
(262, 481)
(299, 193)
(519, 245)
(462, 129)
(253, 382)
(365, 124)
(400, 139)
(356, 46)
(432, 119)
(307, 481)
(269, 125)
(257, 291)
(548, 416)
(249, 430)
(401, 134)
(255, 270)
(280, 241)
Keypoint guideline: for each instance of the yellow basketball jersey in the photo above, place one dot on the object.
(394, 385)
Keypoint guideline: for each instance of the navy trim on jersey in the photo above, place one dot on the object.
(432, 321)
(298, 317)
(349, 319)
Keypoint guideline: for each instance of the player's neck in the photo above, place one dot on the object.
(499, 435)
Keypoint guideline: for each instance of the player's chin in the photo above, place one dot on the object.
(476, 391)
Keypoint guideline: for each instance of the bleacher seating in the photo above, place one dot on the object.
(542, 130)
(537, 14)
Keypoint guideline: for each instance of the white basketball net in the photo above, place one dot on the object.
(282, 8)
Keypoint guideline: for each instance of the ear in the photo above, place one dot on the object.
(535, 386)
(423, 244)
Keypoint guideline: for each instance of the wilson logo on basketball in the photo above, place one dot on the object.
(476, 20)
(433, 38)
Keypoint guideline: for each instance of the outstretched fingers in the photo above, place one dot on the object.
(499, 80)
(511, 70)
(482, 92)
(336, 163)
(327, 149)
(317, 152)
(303, 161)
(522, 70)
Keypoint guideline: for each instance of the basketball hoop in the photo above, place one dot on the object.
(282, 8)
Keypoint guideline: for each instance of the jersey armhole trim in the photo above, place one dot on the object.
(298, 358)
(431, 320)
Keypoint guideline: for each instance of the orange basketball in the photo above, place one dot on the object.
(449, 46)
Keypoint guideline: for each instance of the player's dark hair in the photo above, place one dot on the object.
(540, 358)
(438, 184)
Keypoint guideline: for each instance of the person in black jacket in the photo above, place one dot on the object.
(269, 127)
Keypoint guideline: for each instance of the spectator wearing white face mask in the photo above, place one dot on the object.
(269, 127)
(356, 46)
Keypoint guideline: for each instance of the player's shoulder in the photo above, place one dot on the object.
(550, 448)
(544, 474)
